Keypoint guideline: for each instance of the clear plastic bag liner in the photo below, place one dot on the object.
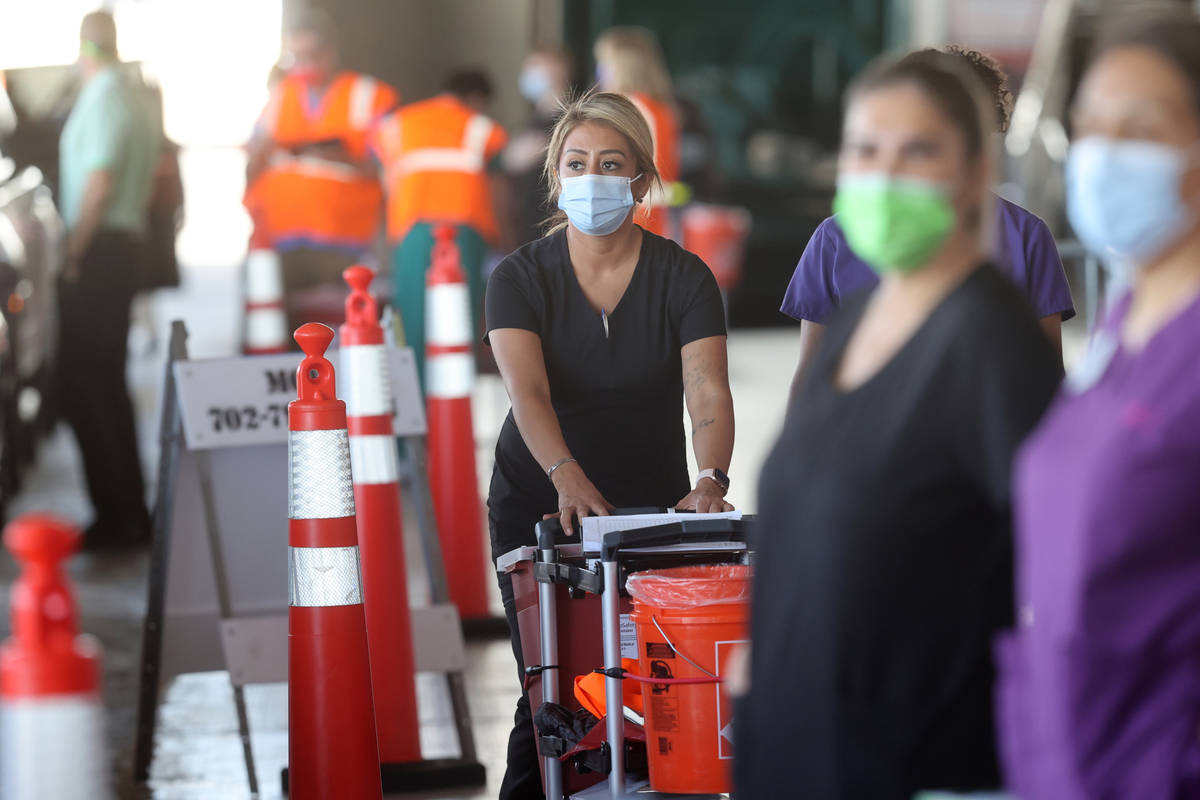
(691, 587)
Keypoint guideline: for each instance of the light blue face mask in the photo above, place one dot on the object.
(596, 204)
(1123, 198)
(533, 83)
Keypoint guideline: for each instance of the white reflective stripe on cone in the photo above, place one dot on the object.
(323, 576)
(53, 747)
(264, 278)
(365, 381)
(448, 315)
(450, 375)
(373, 459)
(266, 327)
(319, 481)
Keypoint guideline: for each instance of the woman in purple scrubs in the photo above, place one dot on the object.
(1099, 687)
(829, 272)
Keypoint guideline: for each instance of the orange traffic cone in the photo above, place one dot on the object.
(369, 408)
(449, 376)
(51, 717)
(333, 751)
(265, 324)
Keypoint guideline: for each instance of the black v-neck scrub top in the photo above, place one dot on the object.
(618, 394)
(885, 557)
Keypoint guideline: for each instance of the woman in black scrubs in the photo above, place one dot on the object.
(884, 540)
(601, 330)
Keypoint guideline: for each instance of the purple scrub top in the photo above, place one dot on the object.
(829, 272)
(1098, 692)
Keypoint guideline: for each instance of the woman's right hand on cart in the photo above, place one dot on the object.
(577, 497)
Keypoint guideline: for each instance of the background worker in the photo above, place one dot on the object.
(259, 176)
(600, 330)
(629, 61)
(884, 554)
(313, 188)
(545, 82)
(829, 272)
(107, 155)
(441, 165)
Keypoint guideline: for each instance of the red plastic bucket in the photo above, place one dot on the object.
(689, 620)
(718, 235)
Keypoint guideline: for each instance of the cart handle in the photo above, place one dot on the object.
(549, 532)
(694, 531)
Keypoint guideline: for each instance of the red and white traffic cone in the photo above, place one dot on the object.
(51, 716)
(449, 376)
(369, 407)
(265, 324)
(333, 751)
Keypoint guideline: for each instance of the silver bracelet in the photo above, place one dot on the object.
(557, 464)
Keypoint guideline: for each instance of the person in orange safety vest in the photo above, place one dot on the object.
(629, 61)
(440, 160)
(312, 188)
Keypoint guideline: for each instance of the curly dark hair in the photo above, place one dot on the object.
(988, 70)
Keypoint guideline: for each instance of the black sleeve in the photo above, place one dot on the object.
(701, 312)
(511, 300)
(1016, 373)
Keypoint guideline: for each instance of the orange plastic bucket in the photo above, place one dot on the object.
(689, 620)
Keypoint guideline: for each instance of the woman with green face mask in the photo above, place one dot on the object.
(884, 554)
(829, 272)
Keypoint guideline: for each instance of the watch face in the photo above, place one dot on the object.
(721, 477)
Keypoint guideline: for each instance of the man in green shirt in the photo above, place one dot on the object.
(107, 156)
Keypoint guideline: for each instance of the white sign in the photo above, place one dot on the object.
(240, 402)
(629, 647)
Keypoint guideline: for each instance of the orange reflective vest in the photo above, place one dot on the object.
(436, 155)
(303, 198)
(664, 132)
(591, 693)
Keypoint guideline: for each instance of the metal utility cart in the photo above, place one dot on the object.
(558, 578)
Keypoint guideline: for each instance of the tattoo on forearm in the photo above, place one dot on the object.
(701, 425)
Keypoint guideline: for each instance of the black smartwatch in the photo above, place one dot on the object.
(716, 476)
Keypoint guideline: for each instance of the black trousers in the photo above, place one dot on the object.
(93, 396)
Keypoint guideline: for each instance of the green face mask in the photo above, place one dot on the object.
(893, 224)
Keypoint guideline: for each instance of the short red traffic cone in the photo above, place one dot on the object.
(333, 752)
(51, 716)
(265, 324)
(367, 388)
(449, 376)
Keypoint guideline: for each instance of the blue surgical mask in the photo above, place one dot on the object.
(596, 204)
(1123, 197)
(533, 83)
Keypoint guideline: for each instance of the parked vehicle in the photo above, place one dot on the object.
(32, 251)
